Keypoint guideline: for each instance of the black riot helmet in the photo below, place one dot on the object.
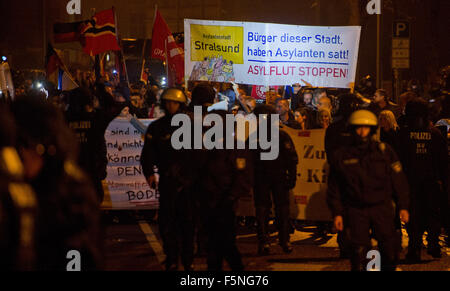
(203, 95)
(416, 112)
(347, 104)
(79, 98)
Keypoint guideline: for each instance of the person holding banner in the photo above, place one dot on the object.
(175, 217)
(367, 178)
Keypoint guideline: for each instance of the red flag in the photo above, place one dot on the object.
(99, 34)
(166, 49)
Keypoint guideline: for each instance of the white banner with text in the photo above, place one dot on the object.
(270, 54)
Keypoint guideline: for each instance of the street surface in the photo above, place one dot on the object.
(133, 244)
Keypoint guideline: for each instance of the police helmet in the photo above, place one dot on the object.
(347, 104)
(363, 118)
(417, 108)
(203, 95)
(174, 94)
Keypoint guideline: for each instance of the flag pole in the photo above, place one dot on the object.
(64, 68)
(121, 48)
(143, 59)
(167, 62)
(165, 47)
(153, 26)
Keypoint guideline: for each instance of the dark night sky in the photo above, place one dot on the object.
(22, 38)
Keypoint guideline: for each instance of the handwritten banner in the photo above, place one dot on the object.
(308, 199)
(125, 185)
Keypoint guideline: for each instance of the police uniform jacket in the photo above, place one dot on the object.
(424, 154)
(364, 176)
(225, 174)
(174, 166)
(282, 169)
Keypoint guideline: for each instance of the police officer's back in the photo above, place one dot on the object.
(89, 125)
(274, 178)
(226, 176)
(423, 153)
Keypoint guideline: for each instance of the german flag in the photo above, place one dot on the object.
(56, 72)
(53, 64)
(67, 32)
(99, 33)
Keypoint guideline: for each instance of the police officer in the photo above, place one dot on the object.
(89, 124)
(274, 178)
(338, 135)
(444, 126)
(68, 209)
(424, 157)
(18, 205)
(175, 216)
(203, 95)
(227, 174)
(368, 178)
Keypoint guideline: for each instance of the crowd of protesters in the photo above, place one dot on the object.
(54, 151)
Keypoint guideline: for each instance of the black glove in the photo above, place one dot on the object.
(291, 180)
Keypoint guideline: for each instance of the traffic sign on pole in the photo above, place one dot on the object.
(400, 45)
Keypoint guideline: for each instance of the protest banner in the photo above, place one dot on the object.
(125, 185)
(270, 54)
(308, 198)
(126, 188)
